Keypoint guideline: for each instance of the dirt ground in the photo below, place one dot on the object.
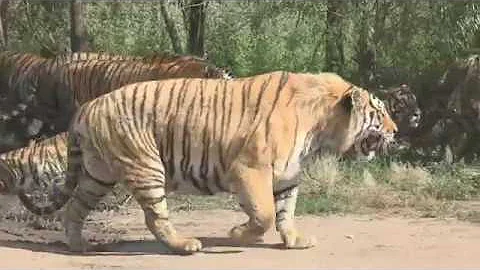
(343, 241)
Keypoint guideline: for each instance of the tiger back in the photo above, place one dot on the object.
(77, 82)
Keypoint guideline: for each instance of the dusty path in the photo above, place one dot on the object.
(351, 241)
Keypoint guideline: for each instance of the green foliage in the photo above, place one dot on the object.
(258, 36)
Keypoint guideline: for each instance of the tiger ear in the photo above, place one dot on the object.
(358, 97)
(353, 99)
(205, 55)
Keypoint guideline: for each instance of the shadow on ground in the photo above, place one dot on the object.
(132, 248)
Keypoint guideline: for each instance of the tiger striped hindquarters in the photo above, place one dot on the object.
(33, 167)
(246, 136)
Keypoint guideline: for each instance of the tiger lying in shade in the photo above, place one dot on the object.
(246, 136)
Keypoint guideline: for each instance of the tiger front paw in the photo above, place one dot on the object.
(186, 246)
(294, 240)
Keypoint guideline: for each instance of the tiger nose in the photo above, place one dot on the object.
(372, 139)
(417, 113)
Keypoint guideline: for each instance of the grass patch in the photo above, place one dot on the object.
(433, 190)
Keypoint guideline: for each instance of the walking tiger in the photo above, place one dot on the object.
(247, 136)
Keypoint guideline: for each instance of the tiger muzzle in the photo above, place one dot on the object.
(375, 142)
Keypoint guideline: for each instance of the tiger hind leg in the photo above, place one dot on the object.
(148, 189)
(254, 189)
(285, 201)
(93, 181)
(88, 193)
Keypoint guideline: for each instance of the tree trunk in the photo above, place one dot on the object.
(365, 53)
(334, 42)
(196, 27)
(3, 24)
(407, 23)
(79, 37)
(381, 11)
(171, 29)
(116, 7)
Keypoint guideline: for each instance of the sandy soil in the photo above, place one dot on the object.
(349, 241)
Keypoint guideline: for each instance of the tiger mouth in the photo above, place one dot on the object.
(375, 142)
(414, 122)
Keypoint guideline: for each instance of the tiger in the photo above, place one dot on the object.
(26, 168)
(74, 83)
(32, 171)
(18, 71)
(401, 103)
(40, 79)
(14, 65)
(247, 136)
(78, 82)
(15, 68)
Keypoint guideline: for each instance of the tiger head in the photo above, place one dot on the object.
(217, 72)
(403, 107)
(371, 129)
(464, 101)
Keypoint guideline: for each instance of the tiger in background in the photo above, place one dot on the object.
(14, 69)
(18, 72)
(246, 136)
(24, 79)
(78, 82)
(401, 103)
(59, 95)
(13, 66)
(32, 170)
(29, 166)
